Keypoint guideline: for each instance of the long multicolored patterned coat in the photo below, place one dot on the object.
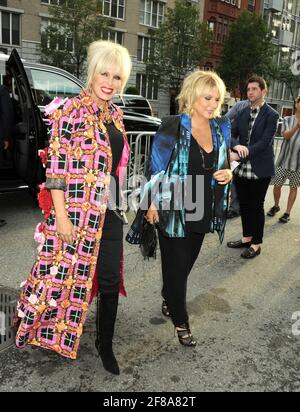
(55, 297)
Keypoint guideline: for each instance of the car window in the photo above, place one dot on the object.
(117, 100)
(46, 85)
(135, 102)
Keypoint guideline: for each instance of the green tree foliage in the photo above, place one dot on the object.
(73, 25)
(247, 50)
(180, 45)
(132, 90)
(285, 75)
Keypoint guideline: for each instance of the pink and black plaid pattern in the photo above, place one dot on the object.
(55, 298)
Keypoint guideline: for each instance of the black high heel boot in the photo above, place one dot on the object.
(107, 307)
(185, 336)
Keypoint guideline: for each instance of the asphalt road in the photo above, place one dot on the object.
(240, 312)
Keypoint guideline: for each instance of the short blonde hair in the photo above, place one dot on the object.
(200, 83)
(102, 55)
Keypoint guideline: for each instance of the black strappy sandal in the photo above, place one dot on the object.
(185, 336)
(164, 309)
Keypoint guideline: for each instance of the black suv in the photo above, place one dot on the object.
(133, 103)
(34, 86)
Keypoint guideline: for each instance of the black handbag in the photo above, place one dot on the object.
(148, 241)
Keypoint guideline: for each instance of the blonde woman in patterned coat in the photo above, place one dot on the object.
(88, 154)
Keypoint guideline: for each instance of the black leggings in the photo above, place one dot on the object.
(110, 253)
(178, 256)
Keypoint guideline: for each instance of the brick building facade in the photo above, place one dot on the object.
(220, 14)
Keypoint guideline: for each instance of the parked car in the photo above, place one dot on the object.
(34, 86)
(133, 103)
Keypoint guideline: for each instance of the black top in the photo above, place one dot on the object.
(199, 189)
(117, 144)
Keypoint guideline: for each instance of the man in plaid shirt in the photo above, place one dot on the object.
(253, 132)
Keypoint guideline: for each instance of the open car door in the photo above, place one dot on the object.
(29, 131)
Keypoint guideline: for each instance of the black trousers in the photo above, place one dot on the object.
(177, 258)
(110, 253)
(251, 194)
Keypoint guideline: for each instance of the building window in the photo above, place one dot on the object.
(114, 8)
(285, 56)
(151, 13)
(211, 24)
(296, 9)
(145, 48)
(147, 86)
(10, 28)
(225, 29)
(220, 29)
(56, 2)
(52, 2)
(297, 36)
(286, 24)
(59, 2)
(251, 5)
(275, 25)
(110, 8)
(113, 35)
(59, 42)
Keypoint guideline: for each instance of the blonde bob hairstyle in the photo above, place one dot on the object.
(200, 83)
(102, 55)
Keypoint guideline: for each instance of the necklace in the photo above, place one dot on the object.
(104, 110)
(203, 159)
(201, 150)
(105, 113)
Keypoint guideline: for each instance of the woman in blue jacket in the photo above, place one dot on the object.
(187, 190)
